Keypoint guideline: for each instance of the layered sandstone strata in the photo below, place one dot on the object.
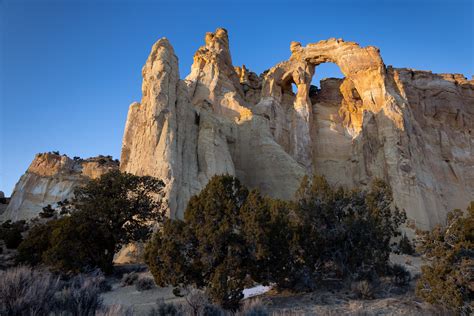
(410, 128)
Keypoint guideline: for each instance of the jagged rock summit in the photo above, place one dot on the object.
(410, 128)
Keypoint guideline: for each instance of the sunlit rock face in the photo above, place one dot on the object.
(49, 179)
(411, 128)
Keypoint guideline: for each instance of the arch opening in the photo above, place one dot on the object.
(326, 70)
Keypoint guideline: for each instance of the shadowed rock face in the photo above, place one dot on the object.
(410, 128)
(49, 179)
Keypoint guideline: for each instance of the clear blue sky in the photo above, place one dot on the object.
(69, 69)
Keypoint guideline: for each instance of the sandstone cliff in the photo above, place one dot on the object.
(49, 179)
(410, 128)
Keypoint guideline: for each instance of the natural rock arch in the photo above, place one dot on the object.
(363, 66)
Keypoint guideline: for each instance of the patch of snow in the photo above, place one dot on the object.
(256, 290)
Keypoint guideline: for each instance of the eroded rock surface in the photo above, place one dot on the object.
(410, 128)
(49, 179)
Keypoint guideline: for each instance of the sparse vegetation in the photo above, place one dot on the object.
(129, 278)
(253, 307)
(447, 280)
(166, 309)
(229, 233)
(363, 289)
(144, 284)
(104, 215)
(26, 291)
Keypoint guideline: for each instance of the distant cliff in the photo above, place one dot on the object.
(52, 178)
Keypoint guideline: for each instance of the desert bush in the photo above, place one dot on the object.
(143, 284)
(106, 213)
(37, 241)
(129, 278)
(166, 309)
(400, 275)
(11, 233)
(24, 291)
(198, 303)
(346, 233)
(48, 212)
(79, 297)
(212, 310)
(405, 246)
(253, 307)
(206, 249)
(363, 289)
(447, 280)
(28, 291)
(99, 279)
(230, 234)
(79, 245)
(115, 310)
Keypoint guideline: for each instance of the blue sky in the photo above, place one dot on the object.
(70, 69)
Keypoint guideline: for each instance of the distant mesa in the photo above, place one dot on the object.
(411, 128)
(51, 178)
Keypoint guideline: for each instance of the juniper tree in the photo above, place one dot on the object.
(448, 278)
(105, 214)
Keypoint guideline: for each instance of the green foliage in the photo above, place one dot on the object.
(346, 233)
(229, 234)
(122, 203)
(269, 233)
(11, 233)
(105, 214)
(77, 244)
(448, 280)
(405, 246)
(31, 249)
(47, 212)
(207, 249)
(400, 275)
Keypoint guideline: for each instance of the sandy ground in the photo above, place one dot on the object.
(389, 300)
(140, 302)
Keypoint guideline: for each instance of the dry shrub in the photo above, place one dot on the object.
(166, 309)
(400, 275)
(27, 291)
(24, 291)
(80, 296)
(129, 278)
(115, 310)
(363, 289)
(253, 307)
(144, 284)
